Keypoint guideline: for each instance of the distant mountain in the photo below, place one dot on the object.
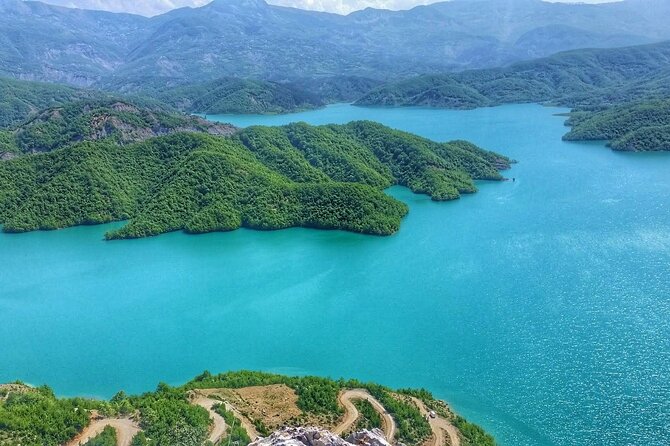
(236, 95)
(249, 38)
(233, 95)
(591, 77)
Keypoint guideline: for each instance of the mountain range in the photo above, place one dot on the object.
(251, 39)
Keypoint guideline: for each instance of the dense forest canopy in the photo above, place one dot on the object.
(20, 99)
(634, 127)
(233, 95)
(589, 77)
(329, 177)
(118, 120)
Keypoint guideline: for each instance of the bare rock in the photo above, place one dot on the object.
(375, 437)
(314, 436)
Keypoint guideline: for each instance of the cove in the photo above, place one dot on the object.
(538, 308)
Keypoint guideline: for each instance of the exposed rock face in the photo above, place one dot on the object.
(314, 436)
(374, 437)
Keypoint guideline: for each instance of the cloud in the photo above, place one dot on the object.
(154, 7)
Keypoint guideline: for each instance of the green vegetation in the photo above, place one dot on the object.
(637, 127)
(319, 396)
(8, 147)
(412, 426)
(233, 95)
(120, 121)
(589, 77)
(36, 417)
(106, 438)
(20, 99)
(369, 417)
(329, 177)
(315, 395)
(236, 433)
(471, 434)
(140, 439)
(167, 418)
(620, 95)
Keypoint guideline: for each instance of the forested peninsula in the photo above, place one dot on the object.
(91, 163)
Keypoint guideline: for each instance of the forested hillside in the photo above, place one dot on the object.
(329, 177)
(20, 99)
(636, 127)
(591, 77)
(232, 95)
(118, 120)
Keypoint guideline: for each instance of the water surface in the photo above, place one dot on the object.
(538, 308)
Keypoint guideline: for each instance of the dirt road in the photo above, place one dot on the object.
(351, 414)
(220, 427)
(125, 431)
(439, 426)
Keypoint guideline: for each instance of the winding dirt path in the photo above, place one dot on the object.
(200, 398)
(125, 428)
(220, 427)
(351, 414)
(439, 426)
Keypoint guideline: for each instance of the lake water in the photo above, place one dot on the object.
(538, 308)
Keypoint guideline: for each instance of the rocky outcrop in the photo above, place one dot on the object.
(314, 436)
(374, 437)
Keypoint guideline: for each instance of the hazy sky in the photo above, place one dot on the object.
(153, 7)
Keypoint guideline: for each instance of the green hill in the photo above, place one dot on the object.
(590, 77)
(636, 127)
(329, 177)
(232, 95)
(118, 120)
(20, 99)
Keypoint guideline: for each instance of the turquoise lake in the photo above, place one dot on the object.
(538, 308)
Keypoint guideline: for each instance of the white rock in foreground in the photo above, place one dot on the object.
(314, 436)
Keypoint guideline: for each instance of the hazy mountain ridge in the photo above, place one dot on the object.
(589, 77)
(635, 127)
(248, 38)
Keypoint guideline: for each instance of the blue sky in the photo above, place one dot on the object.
(153, 7)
